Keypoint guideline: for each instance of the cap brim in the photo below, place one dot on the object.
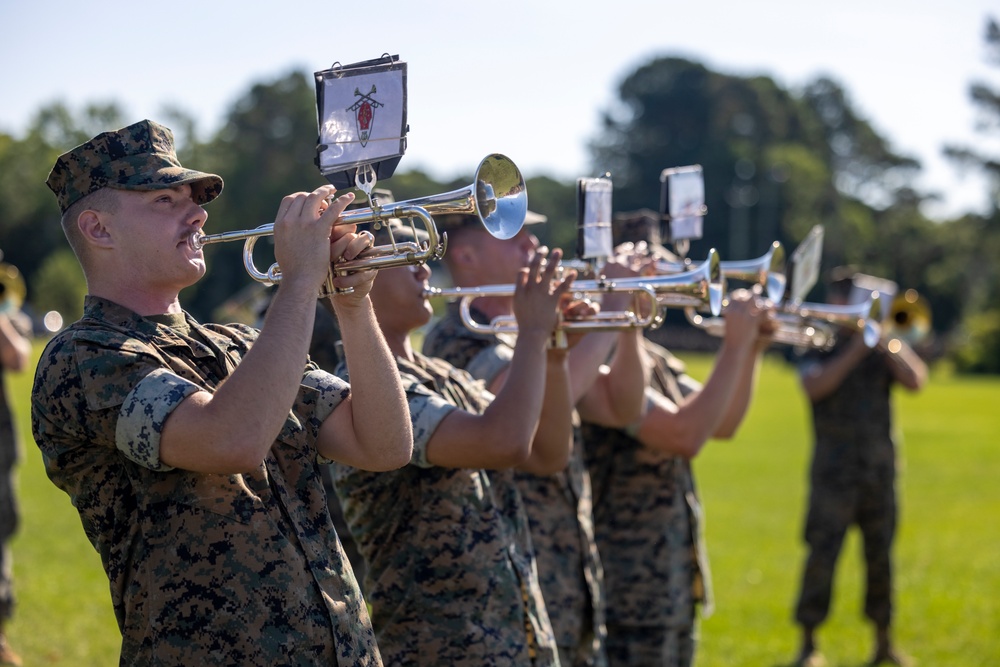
(204, 187)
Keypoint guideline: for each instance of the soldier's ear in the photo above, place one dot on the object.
(93, 228)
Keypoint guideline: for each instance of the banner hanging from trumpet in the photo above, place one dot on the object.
(682, 205)
(362, 121)
(805, 261)
(594, 238)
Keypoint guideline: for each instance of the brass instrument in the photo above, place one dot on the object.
(813, 324)
(702, 287)
(767, 271)
(909, 318)
(12, 288)
(497, 196)
(507, 324)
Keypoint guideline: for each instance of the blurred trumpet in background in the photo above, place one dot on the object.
(12, 288)
(909, 318)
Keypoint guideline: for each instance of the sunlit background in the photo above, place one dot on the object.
(523, 77)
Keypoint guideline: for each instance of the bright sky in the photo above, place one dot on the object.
(527, 78)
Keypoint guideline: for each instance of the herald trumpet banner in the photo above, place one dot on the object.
(497, 196)
(702, 286)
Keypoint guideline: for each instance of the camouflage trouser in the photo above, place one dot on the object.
(648, 646)
(9, 519)
(343, 532)
(833, 508)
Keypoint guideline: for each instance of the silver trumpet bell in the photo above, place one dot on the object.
(816, 324)
(767, 271)
(497, 196)
(701, 286)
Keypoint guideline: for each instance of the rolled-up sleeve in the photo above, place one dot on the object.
(427, 410)
(143, 413)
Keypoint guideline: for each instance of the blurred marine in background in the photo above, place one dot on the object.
(853, 472)
(15, 348)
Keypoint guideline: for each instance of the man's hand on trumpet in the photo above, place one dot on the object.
(749, 318)
(538, 294)
(303, 231)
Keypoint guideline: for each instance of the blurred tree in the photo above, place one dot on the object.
(29, 216)
(775, 163)
(986, 99)
(977, 238)
(264, 151)
(557, 202)
(59, 285)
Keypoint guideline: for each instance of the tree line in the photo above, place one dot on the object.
(776, 163)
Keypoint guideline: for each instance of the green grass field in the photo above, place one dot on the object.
(753, 489)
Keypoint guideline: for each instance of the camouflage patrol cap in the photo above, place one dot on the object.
(138, 157)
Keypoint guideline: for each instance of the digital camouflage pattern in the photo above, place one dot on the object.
(138, 157)
(9, 455)
(852, 481)
(239, 569)
(559, 510)
(451, 577)
(646, 515)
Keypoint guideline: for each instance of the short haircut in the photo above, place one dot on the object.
(104, 200)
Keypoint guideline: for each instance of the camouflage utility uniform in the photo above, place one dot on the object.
(852, 479)
(559, 510)
(241, 569)
(9, 516)
(646, 515)
(451, 576)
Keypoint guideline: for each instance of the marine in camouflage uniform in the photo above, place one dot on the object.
(853, 470)
(559, 509)
(225, 568)
(647, 522)
(852, 479)
(15, 328)
(451, 574)
(259, 577)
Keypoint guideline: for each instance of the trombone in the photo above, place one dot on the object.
(702, 286)
(497, 196)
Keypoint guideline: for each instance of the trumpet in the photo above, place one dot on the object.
(767, 271)
(909, 318)
(813, 324)
(12, 288)
(497, 196)
(700, 286)
(601, 321)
